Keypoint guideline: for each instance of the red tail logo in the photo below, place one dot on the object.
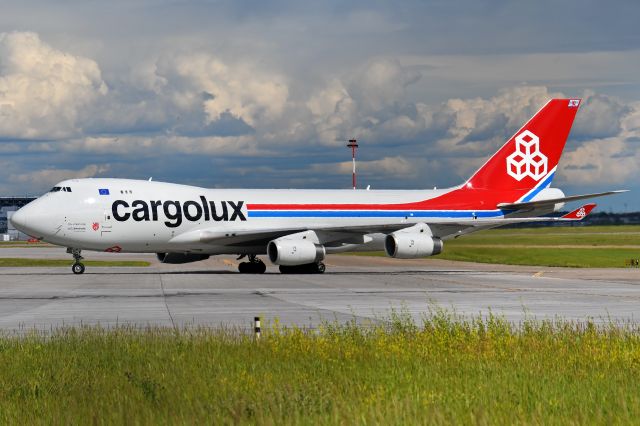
(532, 154)
(527, 160)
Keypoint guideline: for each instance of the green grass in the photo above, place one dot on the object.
(13, 244)
(442, 371)
(26, 262)
(570, 236)
(579, 247)
(560, 246)
(567, 257)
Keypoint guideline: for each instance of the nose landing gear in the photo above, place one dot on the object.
(253, 266)
(77, 267)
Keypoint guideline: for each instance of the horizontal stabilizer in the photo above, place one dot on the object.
(543, 203)
(580, 213)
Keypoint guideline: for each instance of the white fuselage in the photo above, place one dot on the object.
(85, 219)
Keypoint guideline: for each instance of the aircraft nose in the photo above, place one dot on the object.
(20, 219)
(37, 219)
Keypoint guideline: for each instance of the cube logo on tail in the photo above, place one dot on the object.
(527, 160)
(574, 103)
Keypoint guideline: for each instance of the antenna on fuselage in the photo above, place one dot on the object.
(151, 178)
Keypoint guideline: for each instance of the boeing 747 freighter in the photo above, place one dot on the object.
(296, 228)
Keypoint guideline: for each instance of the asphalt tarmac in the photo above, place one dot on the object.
(365, 289)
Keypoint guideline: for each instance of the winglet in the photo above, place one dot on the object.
(580, 213)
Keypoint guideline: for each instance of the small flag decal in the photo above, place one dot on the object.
(103, 191)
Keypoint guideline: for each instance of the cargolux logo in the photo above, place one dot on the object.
(581, 213)
(527, 160)
(174, 211)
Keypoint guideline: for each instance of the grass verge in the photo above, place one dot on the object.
(567, 257)
(444, 370)
(579, 247)
(587, 236)
(532, 256)
(26, 262)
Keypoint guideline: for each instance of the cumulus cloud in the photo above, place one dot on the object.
(187, 104)
(44, 178)
(381, 83)
(43, 90)
(371, 98)
(389, 166)
(606, 160)
(601, 116)
(241, 90)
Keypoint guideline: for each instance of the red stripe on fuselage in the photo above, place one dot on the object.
(458, 199)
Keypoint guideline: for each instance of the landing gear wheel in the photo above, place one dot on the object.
(78, 268)
(253, 266)
(307, 268)
(260, 268)
(286, 269)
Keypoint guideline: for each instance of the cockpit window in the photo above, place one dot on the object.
(61, 188)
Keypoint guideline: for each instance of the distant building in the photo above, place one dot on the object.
(604, 218)
(8, 205)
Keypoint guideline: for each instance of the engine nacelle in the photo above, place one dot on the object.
(177, 258)
(409, 245)
(294, 252)
(550, 194)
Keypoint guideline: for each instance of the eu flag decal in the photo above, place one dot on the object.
(103, 191)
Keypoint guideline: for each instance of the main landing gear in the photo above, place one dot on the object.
(77, 267)
(253, 266)
(307, 268)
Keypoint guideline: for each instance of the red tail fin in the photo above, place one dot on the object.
(531, 155)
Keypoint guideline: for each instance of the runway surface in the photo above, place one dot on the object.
(211, 293)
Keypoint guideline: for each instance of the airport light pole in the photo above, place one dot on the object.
(353, 145)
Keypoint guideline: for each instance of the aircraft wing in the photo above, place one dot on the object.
(447, 231)
(354, 234)
(552, 201)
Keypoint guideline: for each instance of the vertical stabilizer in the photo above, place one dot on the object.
(530, 157)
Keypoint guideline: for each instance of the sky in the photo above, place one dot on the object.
(265, 94)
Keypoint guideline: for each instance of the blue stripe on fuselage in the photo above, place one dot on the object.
(544, 184)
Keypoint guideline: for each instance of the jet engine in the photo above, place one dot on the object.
(291, 252)
(177, 258)
(406, 245)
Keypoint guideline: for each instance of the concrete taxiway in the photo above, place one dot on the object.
(211, 293)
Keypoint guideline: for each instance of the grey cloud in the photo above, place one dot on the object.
(273, 87)
(600, 116)
(225, 125)
(581, 167)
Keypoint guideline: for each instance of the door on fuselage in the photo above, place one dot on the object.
(106, 227)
